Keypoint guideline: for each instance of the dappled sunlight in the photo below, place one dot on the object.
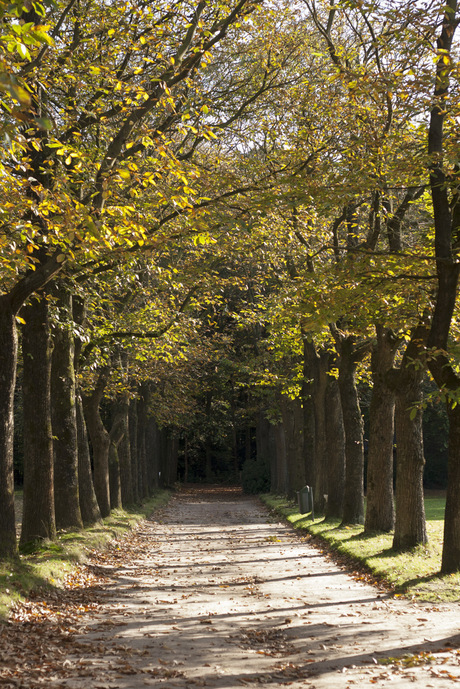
(213, 592)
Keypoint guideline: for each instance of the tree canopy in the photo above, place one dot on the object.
(242, 201)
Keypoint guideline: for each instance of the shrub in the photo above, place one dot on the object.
(255, 476)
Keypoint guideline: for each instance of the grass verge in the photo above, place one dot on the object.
(49, 562)
(414, 573)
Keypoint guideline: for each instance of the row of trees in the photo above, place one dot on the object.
(229, 212)
(97, 177)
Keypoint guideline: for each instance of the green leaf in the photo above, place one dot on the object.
(23, 51)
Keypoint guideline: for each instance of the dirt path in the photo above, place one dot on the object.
(212, 593)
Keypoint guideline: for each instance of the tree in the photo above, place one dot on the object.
(64, 414)
(69, 164)
(380, 514)
(446, 223)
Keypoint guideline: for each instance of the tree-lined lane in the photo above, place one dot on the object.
(214, 593)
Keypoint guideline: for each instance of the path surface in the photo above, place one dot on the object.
(213, 593)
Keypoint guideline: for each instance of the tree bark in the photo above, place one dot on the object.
(9, 307)
(89, 507)
(248, 443)
(446, 210)
(153, 452)
(320, 368)
(100, 441)
(279, 484)
(171, 457)
(114, 477)
(353, 500)
(8, 362)
(335, 450)
(410, 526)
(116, 435)
(38, 510)
(380, 512)
(124, 454)
(186, 459)
(234, 441)
(264, 451)
(309, 431)
(207, 440)
(262, 438)
(133, 445)
(451, 551)
(64, 417)
(142, 406)
(292, 414)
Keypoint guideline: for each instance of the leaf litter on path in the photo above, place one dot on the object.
(213, 593)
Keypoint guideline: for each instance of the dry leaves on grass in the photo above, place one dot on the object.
(433, 660)
(40, 634)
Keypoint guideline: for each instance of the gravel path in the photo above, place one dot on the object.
(218, 595)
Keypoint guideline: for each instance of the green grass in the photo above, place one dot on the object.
(46, 564)
(414, 573)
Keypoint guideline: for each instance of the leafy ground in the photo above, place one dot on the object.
(213, 592)
(50, 563)
(414, 573)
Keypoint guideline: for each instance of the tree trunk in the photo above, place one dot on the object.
(321, 410)
(410, 526)
(64, 418)
(262, 438)
(100, 441)
(380, 513)
(279, 481)
(446, 210)
(133, 445)
(114, 477)
(116, 435)
(208, 450)
(142, 405)
(292, 413)
(124, 455)
(335, 451)
(151, 454)
(171, 457)
(38, 511)
(185, 459)
(10, 304)
(8, 362)
(155, 452)
(89, 508)
(451, 548)
(353, 500)
(234, 438)
(309, 431)
(248, 443)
